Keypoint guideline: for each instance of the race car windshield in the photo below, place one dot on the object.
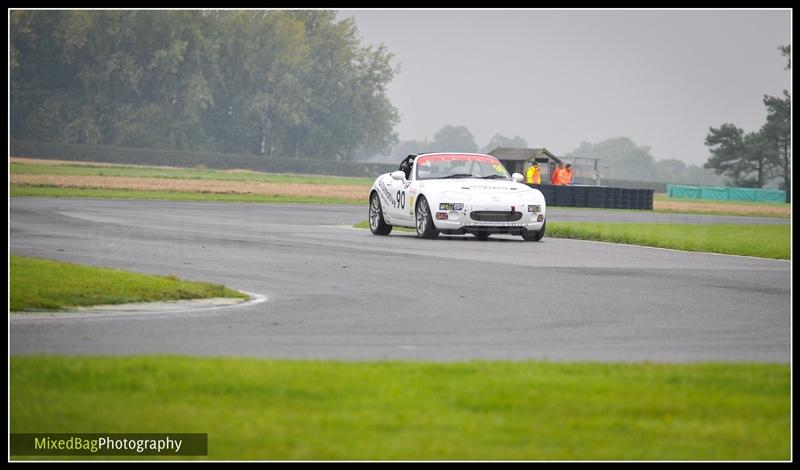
(459, 166)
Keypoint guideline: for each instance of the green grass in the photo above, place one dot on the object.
(183, 173)
(53, 285)
(765, 241)
(50, 191)
(755, 212)
(742, 208)
(309, 410)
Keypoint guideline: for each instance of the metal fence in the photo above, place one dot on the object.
(588, 171)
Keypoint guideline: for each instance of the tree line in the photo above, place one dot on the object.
(450, 139)
(628, 161)
(754, 158)
(620, 157)
(285, 83)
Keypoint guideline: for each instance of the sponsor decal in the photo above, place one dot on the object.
(457, 157)
(494, 224)
(493, 188)
(385, 194)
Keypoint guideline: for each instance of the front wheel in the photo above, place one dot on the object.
(424, 220)
(534, 236)
(377, 225)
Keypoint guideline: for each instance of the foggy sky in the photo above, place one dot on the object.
(557, 78)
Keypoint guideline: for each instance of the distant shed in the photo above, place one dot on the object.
(517, 160)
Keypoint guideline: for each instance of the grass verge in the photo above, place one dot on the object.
(179, 173)
(54, 285)
(180, 184)
(665, 204)
(49, 191)
(309, 410)
(764, 241)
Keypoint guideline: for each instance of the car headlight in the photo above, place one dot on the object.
(534, 208)
(451, 206)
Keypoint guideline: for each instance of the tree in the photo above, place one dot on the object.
(777, 132)
(752, 160)
(726, 145)
(762, 157)
(288, 83)
(406, 147)
(499, 140)
(746, 159)
(453, 139)
(670, 170)
(626, 160)
(786, 51)
(350, 114)
(778, 128)
(698, 175)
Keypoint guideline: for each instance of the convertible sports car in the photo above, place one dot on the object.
(455, 193)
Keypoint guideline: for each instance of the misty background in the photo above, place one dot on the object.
(557, 78)
(642, 90)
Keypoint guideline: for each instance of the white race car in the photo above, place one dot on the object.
(455, 193)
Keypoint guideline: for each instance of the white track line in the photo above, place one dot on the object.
(117, 312)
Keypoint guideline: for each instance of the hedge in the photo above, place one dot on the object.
(222, 161)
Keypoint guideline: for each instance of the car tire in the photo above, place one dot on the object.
(534, 236)
(423, 220)
(377, 225)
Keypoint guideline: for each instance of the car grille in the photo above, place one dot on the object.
(495, 216)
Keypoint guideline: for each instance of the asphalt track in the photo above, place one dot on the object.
(342, 293)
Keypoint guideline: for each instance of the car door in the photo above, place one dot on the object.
(400, 190)
(405, 201)
(390, 191)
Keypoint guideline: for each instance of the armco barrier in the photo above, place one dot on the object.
(617, 198)
(601, 197)
(608, 198)
(594, 196)
(581, 195)
(565, 196)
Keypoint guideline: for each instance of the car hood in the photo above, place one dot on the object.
(472, 186)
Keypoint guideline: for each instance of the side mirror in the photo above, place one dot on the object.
(517, 178)
(398, 175)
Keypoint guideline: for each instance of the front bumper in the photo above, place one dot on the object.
(461, 222)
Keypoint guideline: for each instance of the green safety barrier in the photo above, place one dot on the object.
(716, 193)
